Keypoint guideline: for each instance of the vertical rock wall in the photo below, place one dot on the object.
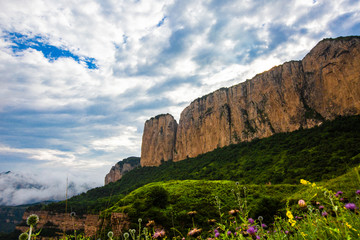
(296, 94)
(158, 140)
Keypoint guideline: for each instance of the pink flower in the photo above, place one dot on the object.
(302, 203)
(351, 206)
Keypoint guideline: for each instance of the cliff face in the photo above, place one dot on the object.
(325, 84)
(158, 141)
(296, 94)
(121, 168)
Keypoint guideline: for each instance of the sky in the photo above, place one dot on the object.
(78, 79)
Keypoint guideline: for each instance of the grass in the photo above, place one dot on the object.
(193, 202)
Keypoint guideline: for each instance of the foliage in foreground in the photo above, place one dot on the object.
(321, 214)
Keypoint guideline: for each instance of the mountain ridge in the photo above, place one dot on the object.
(287, 97)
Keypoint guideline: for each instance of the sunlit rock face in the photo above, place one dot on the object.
(296, 94)
(158, 140)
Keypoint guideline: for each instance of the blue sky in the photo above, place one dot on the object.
(80, 78)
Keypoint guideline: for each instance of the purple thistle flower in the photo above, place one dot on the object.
(321, 207)
(217, 234)
(251, 221)
(286, 232)
(324, 213)
(339, 193)
(229, 233)
(251, 231)
(350, 206)
(235, 234)
(358, 192)
(257, 237)
(263, 225)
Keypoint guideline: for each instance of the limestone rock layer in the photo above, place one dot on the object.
(158, 140)
(120, 168)
(296, 94)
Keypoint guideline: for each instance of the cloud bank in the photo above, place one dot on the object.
(25, 188)
(79, 78)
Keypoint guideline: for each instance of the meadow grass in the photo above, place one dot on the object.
(316, 211)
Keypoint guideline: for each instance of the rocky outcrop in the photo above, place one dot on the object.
(53, 225)
(58, 223)
(158, 141)
(296, 94)
(120, 168)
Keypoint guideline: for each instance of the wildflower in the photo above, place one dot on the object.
(32, 220)
(233, 212)
(260, 218)
(151, 223)
(304, 182)
(217, 234)
(317, 203)
(251, 230)
(263, 225)
(286, 232)
(321, 207)
(291, 218)
(349, 226)
(324, 214)
(192, 213)
(126, 235)
(194, 232)
(211, 221)
(159, 234)
(302, 203)
(110, 234)
(339, 193)
(228, 233)
(257, 237)
(23, 236)
(350, 206)
(358, 192)
(251, 221)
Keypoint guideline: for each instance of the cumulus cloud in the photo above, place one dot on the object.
(79, 78)
(27, 188)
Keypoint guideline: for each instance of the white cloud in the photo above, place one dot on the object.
(26, 188)
(153, 57)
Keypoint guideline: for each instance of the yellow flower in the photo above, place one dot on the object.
(289, 214)
(291, 218)
(302, 181)
(349, 226)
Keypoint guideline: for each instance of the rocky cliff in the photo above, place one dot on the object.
(296, 94)
(158, 141)
(120, 168)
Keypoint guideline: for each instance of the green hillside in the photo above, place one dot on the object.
(168, 203)
(316, 154)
